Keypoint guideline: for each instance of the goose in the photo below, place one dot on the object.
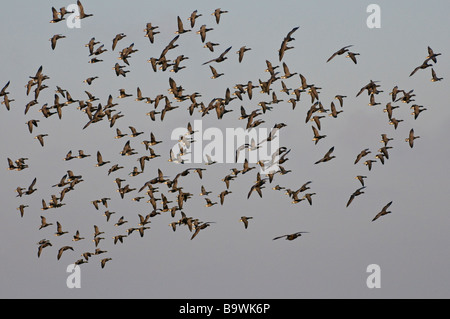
(77, 236)
(119, 238)
(57, 17)
(389, 108)
(289, 37)
(31, 103)
(119, 70)
(31, 188)
(21, 208)
(71, 176)
(108, 214)
(32, 123)
(19, 191)
(90, 45)
(90, 80)
(380, 157)
(361, 178)
(100, 161)
(193, 17)
(98, 251)
(97, 231)
(287, 73)
(40, 138)
(327, 157)
(6, 101)
(407, 96)
(431, 55)
(434, 77)
(284, 47)
(245, 219)
(220, 58)
(209, 203)
(209, 161)
(117, 38)
(371, 88)
(44, 223)
(227, 179)
(215, 74)
(104, 261)
(355, 193)
(69, 156)
(308, 197)
(3, 90)
(11, 165)
(149, 31)
(152, 114)
(82, 155)
(383, 211)
(385, 139)
(339, 52)
(368, 163)
(82, 15)
(417, 109)
(423, 66)
(275, 99)
(222, 196)
(204, 192)
(291, 236)
(98, 51)
(395, 122)
(54, 39)
(200, 227)
(151, 142)
(59, 231)
(80, 261)
(256, 187)
(104, 201)
(181, 28)
(141, 230)
(334, 113)
(410, 139)
(210, 45)
(372, 100)
(42, 246)
(20, 166)
(295, 198)
(123, 94)
(121, 221)
(317, 136)
(352, 55)
(199, 171)
(63, 249)
(384, 150)
(217, 14)
(363, 153)
(241, 52)
(144, 220)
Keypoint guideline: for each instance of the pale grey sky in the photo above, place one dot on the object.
(225, 260)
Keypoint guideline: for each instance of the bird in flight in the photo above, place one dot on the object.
(410, 139)
(245, 219)
(220, 58)
(339, 52)
(217, 14)
(355, 193)
(291, 236)
(383, 212)
(327, 157)
(55, 38)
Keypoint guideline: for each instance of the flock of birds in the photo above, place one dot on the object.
(221, 105)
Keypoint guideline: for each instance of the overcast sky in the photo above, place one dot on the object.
(226, 260)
